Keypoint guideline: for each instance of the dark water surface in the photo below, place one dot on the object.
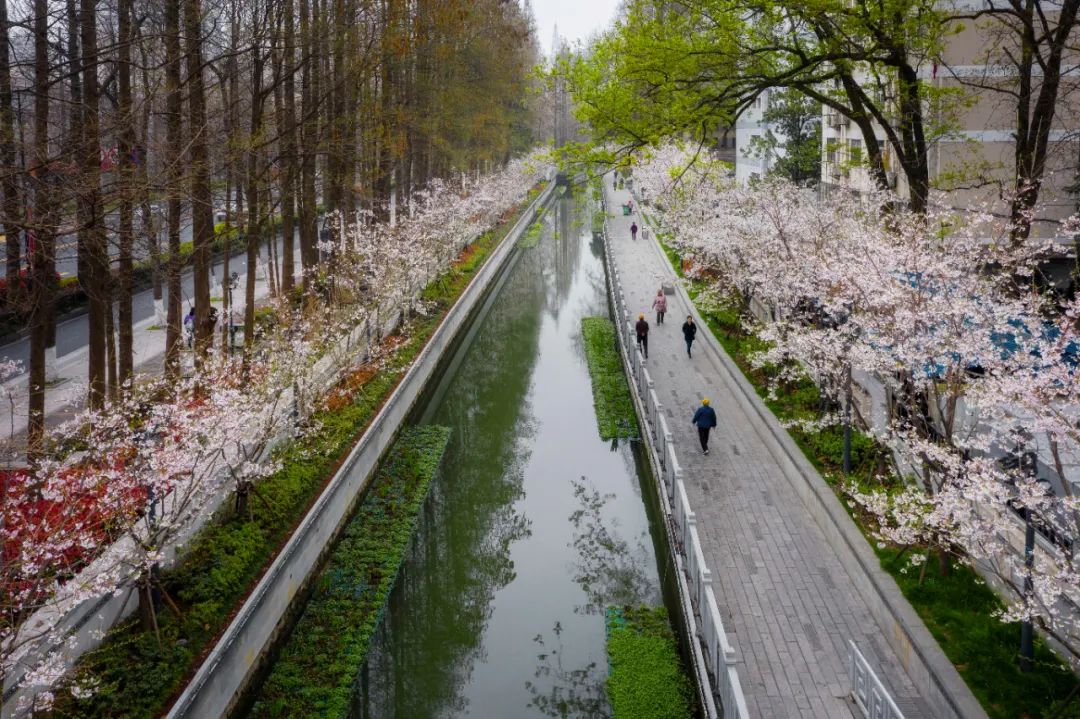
(534, 523)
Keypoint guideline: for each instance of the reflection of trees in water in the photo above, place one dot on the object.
(562, 253)
(609, 569)
(426, 645)
(566, 692)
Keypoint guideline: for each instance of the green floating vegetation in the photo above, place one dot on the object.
(615, 413)
(317, 668)
(531, 237)
(133, 673)
(646, 678)
(957, 607)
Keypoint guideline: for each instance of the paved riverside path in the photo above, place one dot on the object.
(788, 605)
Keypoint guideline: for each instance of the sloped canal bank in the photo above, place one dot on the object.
(533, 524)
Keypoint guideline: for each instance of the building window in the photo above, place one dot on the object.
(855, 151)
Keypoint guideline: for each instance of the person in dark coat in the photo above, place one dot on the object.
(633, 230)
(689, 332)
(704, 419)
(642, 329)
(643, 335)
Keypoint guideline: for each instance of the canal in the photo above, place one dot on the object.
(533, 524)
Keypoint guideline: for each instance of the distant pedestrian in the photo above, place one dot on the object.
(633, 230)
(704, 419)
(630, 204)
(689, 332)
(642, 329)
(659, 304)
(189, 326)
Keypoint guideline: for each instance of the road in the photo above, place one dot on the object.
(73, 334)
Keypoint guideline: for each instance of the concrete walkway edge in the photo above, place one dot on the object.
(926, 664)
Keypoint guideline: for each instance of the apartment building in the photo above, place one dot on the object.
(750, 162)
(972, 166)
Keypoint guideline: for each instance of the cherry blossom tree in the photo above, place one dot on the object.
(942, 310)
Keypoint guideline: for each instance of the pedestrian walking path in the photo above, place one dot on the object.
(788, 604)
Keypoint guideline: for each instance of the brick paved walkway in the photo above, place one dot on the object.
(787, 602)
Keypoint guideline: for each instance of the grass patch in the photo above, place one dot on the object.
(615, 415)
(646, 678)
(958, 608)
(317, 668)
(134, 675)
(531, 237)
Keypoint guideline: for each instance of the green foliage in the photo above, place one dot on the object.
(137, 677)
(958, 608)
(797, 119)
(615, 414)
(597, 223)
(315, 673)
(531, 237)
(646, 680)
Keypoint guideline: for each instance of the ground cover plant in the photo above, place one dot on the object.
(316, 671)
(615, 415)
(135, 673)
(646, 678)
(958, 608)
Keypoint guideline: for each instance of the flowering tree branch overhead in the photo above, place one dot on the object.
(944, 311)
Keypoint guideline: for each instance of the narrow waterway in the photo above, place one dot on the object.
(534, 524)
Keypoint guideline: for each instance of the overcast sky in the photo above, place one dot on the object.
(577, 19)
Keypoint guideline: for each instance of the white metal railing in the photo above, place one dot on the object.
(869, 693)
(714, 656)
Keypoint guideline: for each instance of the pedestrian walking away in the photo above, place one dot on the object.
(659, 304)
(689, 332)
(633, 230)
(642, 328)
(704, 419)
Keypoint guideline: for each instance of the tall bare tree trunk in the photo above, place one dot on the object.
(174, 143)
(125, 280)
(287, 123)
(309, 253)
(88, 208)
(202, 212)
(253, 178)
(41, 260)
(9, 186)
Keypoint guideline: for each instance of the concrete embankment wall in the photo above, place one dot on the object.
(233, 661)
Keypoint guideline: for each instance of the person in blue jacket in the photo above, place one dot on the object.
(704, 419)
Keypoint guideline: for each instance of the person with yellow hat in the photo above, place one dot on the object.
(704, 419)
(642, 329)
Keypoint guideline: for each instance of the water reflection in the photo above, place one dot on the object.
(609, 568)
(497, 612)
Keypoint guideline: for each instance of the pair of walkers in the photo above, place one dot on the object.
(689, 328)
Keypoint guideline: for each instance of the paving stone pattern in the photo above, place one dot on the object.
(787, 603)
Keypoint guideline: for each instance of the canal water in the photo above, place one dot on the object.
(534, 523)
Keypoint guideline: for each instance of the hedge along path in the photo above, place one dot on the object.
(646, 679)
(615, 415)
(316, 671)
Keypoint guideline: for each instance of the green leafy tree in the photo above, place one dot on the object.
(796, 142)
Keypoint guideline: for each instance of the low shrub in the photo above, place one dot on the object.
(615, 414)
(317, 668)
(646, 679)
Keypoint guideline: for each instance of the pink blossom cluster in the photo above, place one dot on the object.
(122, 488)
(976, 355)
